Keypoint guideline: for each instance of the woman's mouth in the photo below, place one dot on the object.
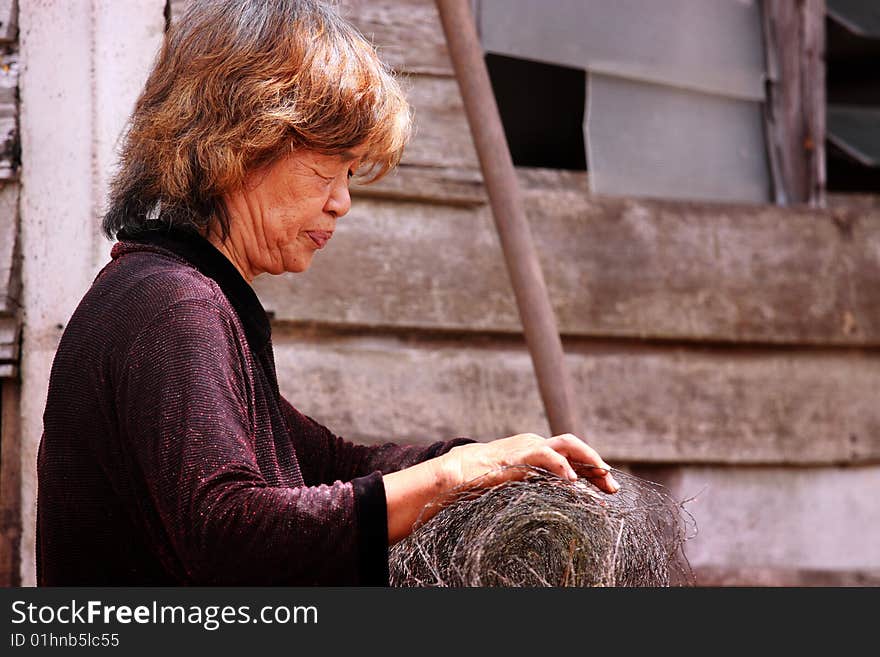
(319, 237)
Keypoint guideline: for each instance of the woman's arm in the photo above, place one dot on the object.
(325, 457)
(188, 441)
(416, 476)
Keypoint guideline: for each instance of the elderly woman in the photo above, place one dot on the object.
(169, 455)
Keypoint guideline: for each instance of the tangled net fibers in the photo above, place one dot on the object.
(542, 530)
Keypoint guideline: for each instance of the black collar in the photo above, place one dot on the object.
(201, 254)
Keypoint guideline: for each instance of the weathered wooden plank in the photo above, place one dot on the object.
(406, 33)
(442, 137)
(10, 270)
(8, 21)
(440, 163)
(853, 202)
(8, 148)
(641, 404)
(10, 346)
(761, 519)
(10, 482)
(452, 186)
(9, 342)
(776, 577)
(465, 186)
(9, 140)
(8, 82)
(614, 267)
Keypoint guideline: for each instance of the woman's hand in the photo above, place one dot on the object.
(408, 491)
(467, 462)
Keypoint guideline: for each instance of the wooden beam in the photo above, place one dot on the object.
(795, 34)
(8, 21)
(614, 267)
(768, 576)
(9, 337)
(641, 404)
(9, 138)
(10, 261)
(10, 484)
(10, 281)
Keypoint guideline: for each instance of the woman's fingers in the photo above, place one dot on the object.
(548, 458)
(576, 450)
(555, 454)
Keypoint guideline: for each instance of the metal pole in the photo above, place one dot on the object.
(536, 313)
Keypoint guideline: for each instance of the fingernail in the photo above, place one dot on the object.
(613, 483)
(572, 475)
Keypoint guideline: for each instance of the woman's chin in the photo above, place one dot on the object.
(295, 264)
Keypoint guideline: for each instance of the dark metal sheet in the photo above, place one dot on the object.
(856, 131)
(860, 17)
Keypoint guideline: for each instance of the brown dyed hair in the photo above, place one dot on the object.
(235, 87)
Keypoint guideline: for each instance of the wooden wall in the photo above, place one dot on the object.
(728, 350)
(9, 191)
(697, 332)
(10, 299)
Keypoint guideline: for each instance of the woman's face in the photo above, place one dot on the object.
(288, 211)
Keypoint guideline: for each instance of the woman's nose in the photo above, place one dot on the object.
(339, 201)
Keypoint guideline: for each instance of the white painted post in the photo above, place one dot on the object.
(127, 39)
(83, 63)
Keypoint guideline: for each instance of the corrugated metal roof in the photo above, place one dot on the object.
(856, 131)
(860, 17)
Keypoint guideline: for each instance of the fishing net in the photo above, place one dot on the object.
(542, 530)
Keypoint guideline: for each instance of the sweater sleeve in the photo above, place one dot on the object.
(185, 402)
(325, 457)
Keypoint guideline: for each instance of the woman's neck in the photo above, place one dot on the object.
(228, 248)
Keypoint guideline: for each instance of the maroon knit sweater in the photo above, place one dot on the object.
(169, 456)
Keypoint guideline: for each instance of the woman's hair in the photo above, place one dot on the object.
(238, 85)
